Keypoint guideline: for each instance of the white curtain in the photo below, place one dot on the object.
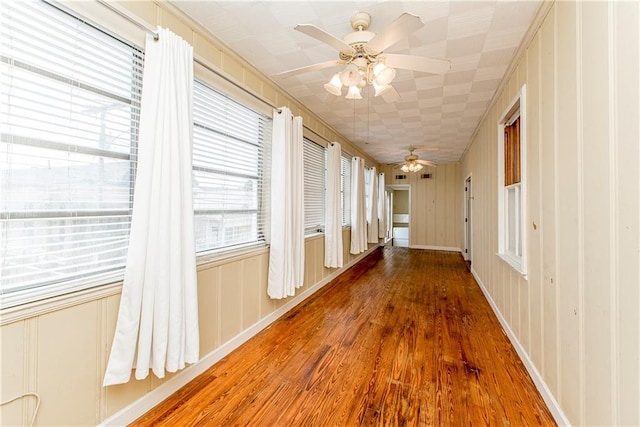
(382, 217)
(158, 318)
(372, 206)
(358, 208)
(286, 255)
(333, 209)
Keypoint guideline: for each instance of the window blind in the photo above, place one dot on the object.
(314, 186)
(229, 192)
(70, 110)
(345, 188)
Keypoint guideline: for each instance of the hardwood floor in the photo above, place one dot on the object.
(405, 337)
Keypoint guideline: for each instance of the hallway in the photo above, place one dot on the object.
(405, 337)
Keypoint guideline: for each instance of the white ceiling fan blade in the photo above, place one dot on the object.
(314, 67)
(426, 163)
(390, 95)
(417, 63)
(324, 37)
(404, 25)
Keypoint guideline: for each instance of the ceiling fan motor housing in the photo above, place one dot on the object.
(360, 21)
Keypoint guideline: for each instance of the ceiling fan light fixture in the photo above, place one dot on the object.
(411, 167)
(334, 86)
(380, 89)
(350, 76)
(354, 93)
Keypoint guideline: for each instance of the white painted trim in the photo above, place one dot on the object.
(59, 302)
(437, 248)
(548, 397)
(141, 406)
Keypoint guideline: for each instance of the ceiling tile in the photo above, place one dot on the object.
(472, 21)
(479, 37)
(465, 46)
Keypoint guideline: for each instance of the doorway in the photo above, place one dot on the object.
(468, 197)
(400, 218)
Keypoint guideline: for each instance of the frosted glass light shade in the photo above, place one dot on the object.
(380, 89)
(334, 86)
(350, 76)
(383, 74)
(354, 93)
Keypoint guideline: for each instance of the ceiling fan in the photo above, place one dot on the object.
(412, 163)
(361, 54)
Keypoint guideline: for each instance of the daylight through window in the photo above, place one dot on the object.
(229, 143)
(70, 108)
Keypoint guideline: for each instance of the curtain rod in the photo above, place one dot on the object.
(135, 22)
(152, 31)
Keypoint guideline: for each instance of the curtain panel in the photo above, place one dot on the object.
(158, 318)
(286, 254)
(358, 208)
(333, 252)
(382, 214)
(372, 206)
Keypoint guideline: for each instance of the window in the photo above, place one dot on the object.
(70, 110)
(511, 184)
(345, 189)
(314, 186)
(229, 143)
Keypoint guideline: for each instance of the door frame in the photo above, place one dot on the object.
(402, 187)
(467, 194)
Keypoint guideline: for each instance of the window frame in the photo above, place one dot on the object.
(515, 257)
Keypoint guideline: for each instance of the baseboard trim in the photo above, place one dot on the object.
(548, 397)
(143, 405)
(436, 248)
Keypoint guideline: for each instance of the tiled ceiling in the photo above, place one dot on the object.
(436, 113)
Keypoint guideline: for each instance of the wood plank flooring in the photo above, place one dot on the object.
(403, 338)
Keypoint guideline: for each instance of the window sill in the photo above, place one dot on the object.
(35, 302)
(28, 309)
(514, 262)
(315, 235)
(212, 259)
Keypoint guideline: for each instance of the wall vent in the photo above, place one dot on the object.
(401, 176)
(425, 176)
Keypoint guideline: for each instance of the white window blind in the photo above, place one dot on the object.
(345, 189)
(70, 109)
(314, 186)
(229, 146)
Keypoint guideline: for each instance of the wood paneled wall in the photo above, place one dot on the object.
(435, 204)
(61, 353)
(576, 314)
